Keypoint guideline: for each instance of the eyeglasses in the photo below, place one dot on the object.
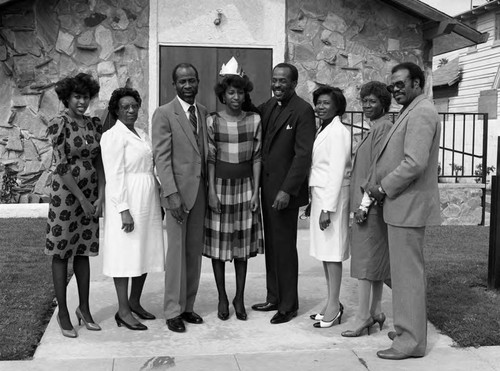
(135, 107)
(398, 84)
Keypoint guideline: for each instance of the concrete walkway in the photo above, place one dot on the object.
(251, 345)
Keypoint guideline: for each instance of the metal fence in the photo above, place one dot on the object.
(463, 149)
(464, 143)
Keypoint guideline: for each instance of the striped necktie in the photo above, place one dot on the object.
(192, 118)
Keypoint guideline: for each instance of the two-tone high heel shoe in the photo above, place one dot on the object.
(325, 324)
(355, 333)
(67, 333)
(319, 316)
(316, 317)
(92, 326)
(380, 319)
(241, 315)
(120, 322)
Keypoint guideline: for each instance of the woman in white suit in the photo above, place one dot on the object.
(133, 234)
(329, 187)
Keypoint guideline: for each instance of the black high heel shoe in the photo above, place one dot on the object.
(143, 314)
(120, 322)
(242, 316)
(223, 313)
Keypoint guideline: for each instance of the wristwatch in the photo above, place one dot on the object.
(325, 211)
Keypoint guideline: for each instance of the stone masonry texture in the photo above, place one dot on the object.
(43, 41)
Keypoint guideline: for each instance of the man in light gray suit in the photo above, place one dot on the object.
(180, 150)
(406, 176)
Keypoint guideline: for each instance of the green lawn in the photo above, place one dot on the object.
(459, 303)
(26, 293)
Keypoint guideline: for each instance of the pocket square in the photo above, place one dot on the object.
(288, 127)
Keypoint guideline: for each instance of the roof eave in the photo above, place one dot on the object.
(437, 23)
(481, 9)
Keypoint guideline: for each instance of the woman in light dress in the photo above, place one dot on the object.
(329, 187)
(133, 235)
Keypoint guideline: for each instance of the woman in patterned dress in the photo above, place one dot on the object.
(75, 199)
(233, 227)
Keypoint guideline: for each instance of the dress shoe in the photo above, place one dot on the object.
(89, 325)
(325, 324)
(319, 316)
(283, 317)
(355, 333)
(265, 307)
(120, 322)
(392, 335)
(380, 319)
(67, 333)
(240, 314)
(394, 354)
(223, 310)
(176, 324)
(143, 314)
(191, 317)
(316, 317)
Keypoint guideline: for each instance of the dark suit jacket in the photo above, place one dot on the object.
(287, 150)
(177, 156)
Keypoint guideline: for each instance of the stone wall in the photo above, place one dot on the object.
(346, 43)
(460, 203)
(42, 41)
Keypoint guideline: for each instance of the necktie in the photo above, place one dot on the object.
(192, 118)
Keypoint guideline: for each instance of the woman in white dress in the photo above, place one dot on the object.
(329, 187)
(133, 235)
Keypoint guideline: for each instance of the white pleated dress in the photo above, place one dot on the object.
(131, 184)
(329, 184)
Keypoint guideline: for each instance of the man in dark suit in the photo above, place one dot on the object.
(288, 128)
(406, 175)
(180, 149)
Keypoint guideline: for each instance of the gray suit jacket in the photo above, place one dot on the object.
(178, 159)
(406, 167)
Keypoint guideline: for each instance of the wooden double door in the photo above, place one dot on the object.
(257, 64)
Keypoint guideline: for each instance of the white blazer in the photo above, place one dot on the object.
(331, 163)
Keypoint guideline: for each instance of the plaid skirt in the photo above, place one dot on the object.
(235, 233)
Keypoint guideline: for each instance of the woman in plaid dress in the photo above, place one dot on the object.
(233, 227)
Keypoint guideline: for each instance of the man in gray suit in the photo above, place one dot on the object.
(406, 176)
(180, 150)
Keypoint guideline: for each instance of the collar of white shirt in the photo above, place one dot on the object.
(185, 106)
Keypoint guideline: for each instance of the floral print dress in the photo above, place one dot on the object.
(75, 149)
